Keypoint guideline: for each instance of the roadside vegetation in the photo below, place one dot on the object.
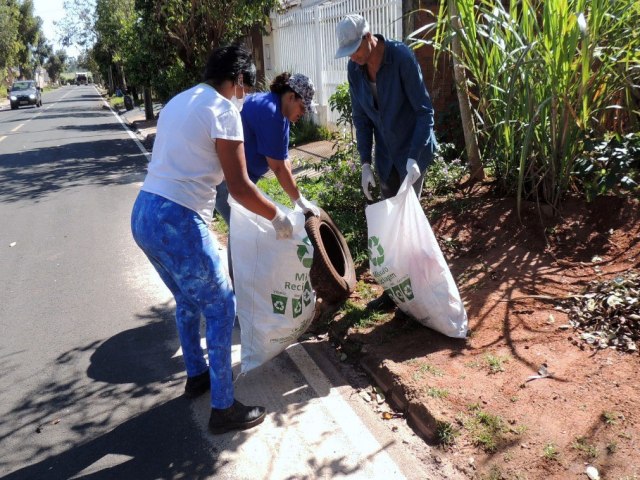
(557, 108)
(552, 82)
(24, 49)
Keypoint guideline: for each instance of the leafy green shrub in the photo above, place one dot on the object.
(306, 130)
(272, 187)
(444, 176)
(342, 196)
(609, 165)
(340, 101)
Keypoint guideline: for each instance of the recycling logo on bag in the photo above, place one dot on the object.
(407, 289)
(279, 303)
(304, 253)
(397, 293)
(306, 294)
(376, 252)
(296, 304)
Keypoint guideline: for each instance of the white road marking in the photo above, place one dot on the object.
(14, 129)
(129, 132)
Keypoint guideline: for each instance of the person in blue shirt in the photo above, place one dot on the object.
(391, 107)
(266, 119)
(392, 111)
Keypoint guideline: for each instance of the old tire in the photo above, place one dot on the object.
(332, 274)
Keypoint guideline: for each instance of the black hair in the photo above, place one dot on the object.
(227, 63)
(280, 85)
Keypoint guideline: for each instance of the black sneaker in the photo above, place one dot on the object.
(383, 302)
(236, 417)
(197, 385)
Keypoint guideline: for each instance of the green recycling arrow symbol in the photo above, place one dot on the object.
(304, 256)
(376, 252)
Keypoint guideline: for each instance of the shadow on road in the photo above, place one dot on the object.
(130, 370)
(99, 113)
(149, 446)
(36, 173)
(162, 442)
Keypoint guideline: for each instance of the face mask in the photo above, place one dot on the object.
(238, 102)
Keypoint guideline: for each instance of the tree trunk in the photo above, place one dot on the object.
(111, 86)
(124, 80)
(148, 104)
(468, 125)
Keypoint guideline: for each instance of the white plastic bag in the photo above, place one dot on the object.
(275, 302)
(405, 259)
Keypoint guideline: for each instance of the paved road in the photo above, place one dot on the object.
(90, 369)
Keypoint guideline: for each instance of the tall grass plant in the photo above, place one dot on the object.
(546, 75)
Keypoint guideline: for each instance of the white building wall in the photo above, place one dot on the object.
(303, 40)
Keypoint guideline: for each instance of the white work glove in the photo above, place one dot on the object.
(413, 171)
(307, 206)
(282, 225)
(367, 180)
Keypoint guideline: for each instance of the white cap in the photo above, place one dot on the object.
(350, 31)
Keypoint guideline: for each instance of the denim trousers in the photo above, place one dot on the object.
(185, 254)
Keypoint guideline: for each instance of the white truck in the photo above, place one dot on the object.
(82, 78)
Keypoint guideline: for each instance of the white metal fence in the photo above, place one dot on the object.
(304, 41)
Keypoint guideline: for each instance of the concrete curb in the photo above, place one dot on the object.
(419, 417)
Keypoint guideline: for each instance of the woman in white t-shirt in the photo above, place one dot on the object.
(199, 142)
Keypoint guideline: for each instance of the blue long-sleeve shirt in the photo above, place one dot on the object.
(402, 121)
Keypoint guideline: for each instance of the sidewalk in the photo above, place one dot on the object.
(145, 130)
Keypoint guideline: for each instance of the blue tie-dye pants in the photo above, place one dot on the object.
(179, 245)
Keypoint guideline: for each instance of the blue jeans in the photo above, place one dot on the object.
(184, 253)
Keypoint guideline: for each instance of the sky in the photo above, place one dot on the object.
(49, 11)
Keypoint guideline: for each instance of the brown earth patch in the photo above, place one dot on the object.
(513, 277)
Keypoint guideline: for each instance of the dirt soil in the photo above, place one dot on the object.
(474, 394)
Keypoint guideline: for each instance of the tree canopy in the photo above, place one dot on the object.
(23, 45)
(159, 44)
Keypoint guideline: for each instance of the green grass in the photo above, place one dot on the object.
(365, 290)
(495, 363)
(485, 430)
(359, 317)
(116, 102)
(610, 418)
(589, 450)
(305, 131)
(435, 392)
(424, 369)
(219, 225)
(446, 433)
(550, 451)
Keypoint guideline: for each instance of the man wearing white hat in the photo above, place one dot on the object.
(391, 105)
